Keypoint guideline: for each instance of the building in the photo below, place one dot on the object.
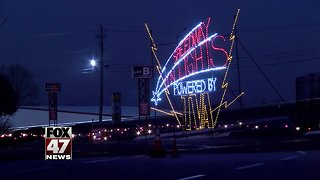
(308, 101)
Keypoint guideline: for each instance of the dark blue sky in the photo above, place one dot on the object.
(56, 39)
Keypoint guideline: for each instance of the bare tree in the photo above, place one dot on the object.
(23, 83)
(8, 102)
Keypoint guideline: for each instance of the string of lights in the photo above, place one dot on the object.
(224, 83)
(158, 66)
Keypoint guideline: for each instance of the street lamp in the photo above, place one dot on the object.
(93, 63)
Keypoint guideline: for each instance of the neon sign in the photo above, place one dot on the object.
(195, 54)
(194, 87)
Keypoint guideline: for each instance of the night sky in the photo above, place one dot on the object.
(56, 39)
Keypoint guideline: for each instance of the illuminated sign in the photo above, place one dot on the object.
(197, 53)
(194, 87)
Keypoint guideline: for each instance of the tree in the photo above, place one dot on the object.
(8, 102)
(8, 98)
(23, 83)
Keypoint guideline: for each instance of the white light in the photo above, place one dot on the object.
(225, 126)
(240, 123)
(178, 126)
(138, 133)
(105, 138)
(195, 86)
(256, 127)
(298, 128)
(149, 131)
(182, 58)
(167, 125)
(93, 63)
(189, 75)
(185, 37)
(286, 126)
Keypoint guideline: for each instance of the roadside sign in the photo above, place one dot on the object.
(53, 87)
(141, 72)
(116, 107)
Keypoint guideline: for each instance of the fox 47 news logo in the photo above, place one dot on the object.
(58, 143)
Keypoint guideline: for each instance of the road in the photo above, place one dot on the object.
(262, 165)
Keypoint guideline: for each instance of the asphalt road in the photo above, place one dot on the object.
(200, 157)
(267, 165)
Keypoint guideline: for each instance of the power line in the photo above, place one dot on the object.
(262, 72)
(274, 28)
(285, 54)
(284, 63)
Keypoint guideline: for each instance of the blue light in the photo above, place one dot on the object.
(184, 56)
(155, 98)
(164, 67)
(194, 87)
(190, 75)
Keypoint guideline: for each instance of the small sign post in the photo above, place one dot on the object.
(52, 89)
(116, 108)
(143, 74)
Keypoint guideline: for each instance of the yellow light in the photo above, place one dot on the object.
(153, 49)
(202, 112)
(161, 111)
(224, 83)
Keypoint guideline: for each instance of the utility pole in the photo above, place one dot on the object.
(101, 44)
(238, 66)
(153, 78)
